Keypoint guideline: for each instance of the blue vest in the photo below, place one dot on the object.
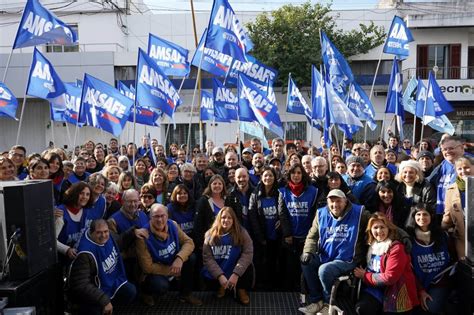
(97, 211)
(109, 264)
(215, 208)
(446, 178)
(428, 263)
(226, 254)
(373, 265)
(74, 179)
(185, 219)
(72, 230)
(269, 207)
(300, 209)
(358, 186)
(338, 238)
(163, 252)
(370, 170)
(244, 201)
(123, 223)
(254, 179)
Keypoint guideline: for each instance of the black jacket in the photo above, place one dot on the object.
(256, 215)
(423, 192)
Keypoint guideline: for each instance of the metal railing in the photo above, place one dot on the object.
(443, 73)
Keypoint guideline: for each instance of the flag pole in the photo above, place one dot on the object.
(75, 136)
(21, 119)
(52, 133)
(68, 133)
(193, 103)
(7, 66)
(424, 113)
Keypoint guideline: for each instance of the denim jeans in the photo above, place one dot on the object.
(320, 277)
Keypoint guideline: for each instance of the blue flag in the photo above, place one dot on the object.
(318, 98)
(8, 102)
(296, 104)
(436, 99)
(394, 102)
(338, 70)
(339, 113)
(213, 61)
(56, 115)
(103, 106)
(359, 103)
(225, 33)
(265, 112)
(421, 102)
(154, 89)
(39, 26)
(72, 102)
(144, 115)
(172, 58)
(208, 112)
(225, 102)
(253, 69)
(398, 38)
(44, 82)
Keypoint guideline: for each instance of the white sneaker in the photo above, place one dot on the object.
(312, 308)
(324, 310)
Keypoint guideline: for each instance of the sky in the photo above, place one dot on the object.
(252, 5)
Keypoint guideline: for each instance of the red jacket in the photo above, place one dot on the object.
(396, 275)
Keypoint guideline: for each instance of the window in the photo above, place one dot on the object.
(180, 135)
(65, 48)
(446, 57)
(125, 73)
(470, 63)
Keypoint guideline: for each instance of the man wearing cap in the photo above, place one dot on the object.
(247, 155)
(217, 159)
(377, 160)
(334, 246)
(258, 162)
(426, 159)
(362, 186)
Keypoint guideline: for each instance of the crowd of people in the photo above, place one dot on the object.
(133, 223)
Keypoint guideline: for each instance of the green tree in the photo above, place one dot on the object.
(287, 39)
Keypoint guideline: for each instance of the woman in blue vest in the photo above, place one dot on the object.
(431, 258)
(265, 224)
(182, 208)
(70, 226)
(98, 210)
(296, 209)
(227, 255)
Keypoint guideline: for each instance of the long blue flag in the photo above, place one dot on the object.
(225, 102)
(144, 115)
(213, 61)
(8, 102)
(172, 58)
(398, 39)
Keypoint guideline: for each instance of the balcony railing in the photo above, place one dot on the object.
(443, 73)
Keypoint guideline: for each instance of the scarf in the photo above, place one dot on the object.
(73, 210)
(378, 248)
(425, 237)
(461, 184)
(296, 189)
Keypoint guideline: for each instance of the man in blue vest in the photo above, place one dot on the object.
(333, 247)
(97, 278)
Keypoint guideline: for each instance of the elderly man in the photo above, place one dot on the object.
(258, 163)
(241, 191)
(129, 216)
(362, 186)
(97, 278)
(166, 255)
(377, 160)
(319, 180)
(445, 174)
(306, 162)
(334, 246)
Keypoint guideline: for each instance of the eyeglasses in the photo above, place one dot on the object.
(450, 148)
(147, 196)
(356, 149)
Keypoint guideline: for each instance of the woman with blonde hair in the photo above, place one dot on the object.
(227, 255)
(159, 180)
(388, 281)
(112, 173)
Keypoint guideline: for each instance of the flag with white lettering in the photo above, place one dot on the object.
(103, 106)
(398, 38)
(44, 82)
(72, 101)
(421, 110)
(40, 26)
(172, 58)
(8, 102)
(144, 115)
(208, 112)
(338, 70)
(253, 69)
(339, 113)
(225, 102)
(435, 97)
(225, 33)
(154, 89)
(359, 103)
(265, 112)
(394, 103)
(441, 123)
(318, 98)
(296, 104)
(213, 61)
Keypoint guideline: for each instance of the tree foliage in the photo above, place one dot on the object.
(287, 39)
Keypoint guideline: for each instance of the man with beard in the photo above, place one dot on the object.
(217, 159)
(258, 163)
(241, 192)
(278, 150)
(247, 155)
(200, 162)
(113, 147)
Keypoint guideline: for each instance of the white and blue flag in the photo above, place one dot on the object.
(8, 102)
(143, 115)
(172, 58)
(208, 112)
(436, 99)
(213, 61)
(398, 39)
(226, 104)
(103, 106)
(360, 104)
(295, 102)
(40, 26)
(255, 70)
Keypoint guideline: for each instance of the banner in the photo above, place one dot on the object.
(435, 98)
(225, 33)
(103, 106)
(39, 26)
(213, 61)
(225, 102)
(208, 112)
(255, 70)
(398, 38)
(154, 89)
(172, 58)
(8, 102)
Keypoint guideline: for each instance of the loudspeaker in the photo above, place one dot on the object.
(27, 224)
(469, 212)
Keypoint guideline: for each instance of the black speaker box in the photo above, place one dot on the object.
(27, 210)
